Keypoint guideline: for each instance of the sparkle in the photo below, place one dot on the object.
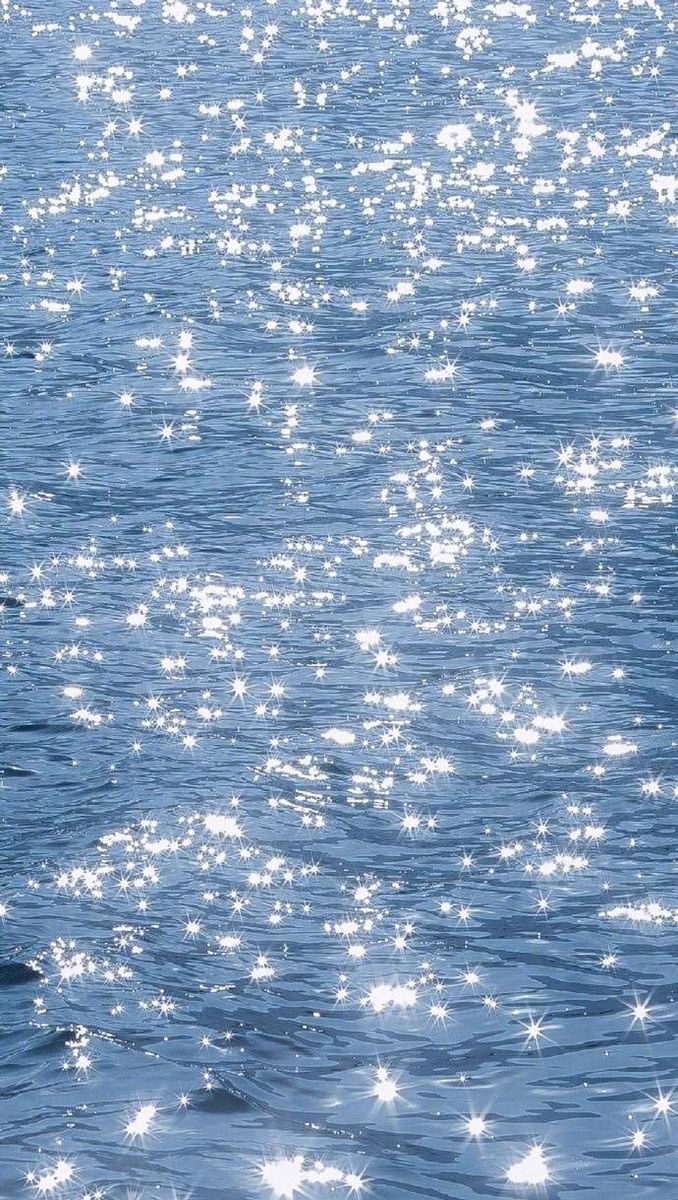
(640, 1012)
(385, 1087)
(532, 1169)
(140, 1124)
(304, 376)
(476, 1126)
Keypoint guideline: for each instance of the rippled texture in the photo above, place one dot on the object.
(339, 600)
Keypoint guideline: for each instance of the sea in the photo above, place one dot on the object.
(338, 600)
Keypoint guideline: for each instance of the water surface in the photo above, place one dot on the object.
(337, 809)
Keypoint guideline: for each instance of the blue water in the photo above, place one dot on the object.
(337, 552)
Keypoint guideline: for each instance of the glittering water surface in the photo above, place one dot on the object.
(338, 805)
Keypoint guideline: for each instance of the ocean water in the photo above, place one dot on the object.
(338, 796)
